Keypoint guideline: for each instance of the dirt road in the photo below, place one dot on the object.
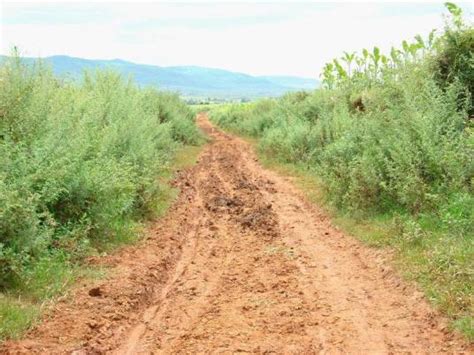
(242, 264)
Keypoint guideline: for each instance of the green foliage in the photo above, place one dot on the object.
(78, 164)
(386, 136)
(455, 59)
(15, 317)
(450, 54)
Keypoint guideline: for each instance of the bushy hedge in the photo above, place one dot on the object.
(414, 153)
(385, 136)
(78, 161)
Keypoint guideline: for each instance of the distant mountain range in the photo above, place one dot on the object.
(190, 81)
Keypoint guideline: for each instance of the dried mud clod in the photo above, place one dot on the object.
(95, 292)
(222, 203)
(259, 218)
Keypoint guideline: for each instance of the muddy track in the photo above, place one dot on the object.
(242, 263)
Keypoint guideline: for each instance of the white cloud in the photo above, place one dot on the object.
(254, 38)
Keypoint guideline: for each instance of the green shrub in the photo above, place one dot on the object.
(455, 59)
(78, 162)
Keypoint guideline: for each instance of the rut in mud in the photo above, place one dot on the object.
(242, 263)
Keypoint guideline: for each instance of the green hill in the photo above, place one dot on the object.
(190, 81)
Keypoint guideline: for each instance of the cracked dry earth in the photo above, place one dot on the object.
(242, 264)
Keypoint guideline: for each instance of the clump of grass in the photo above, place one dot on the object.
(389, 143)
(15, 316)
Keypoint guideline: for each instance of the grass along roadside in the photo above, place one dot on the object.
(21, 309)
(423, 253)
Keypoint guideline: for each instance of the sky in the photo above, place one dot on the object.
(258, 37)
